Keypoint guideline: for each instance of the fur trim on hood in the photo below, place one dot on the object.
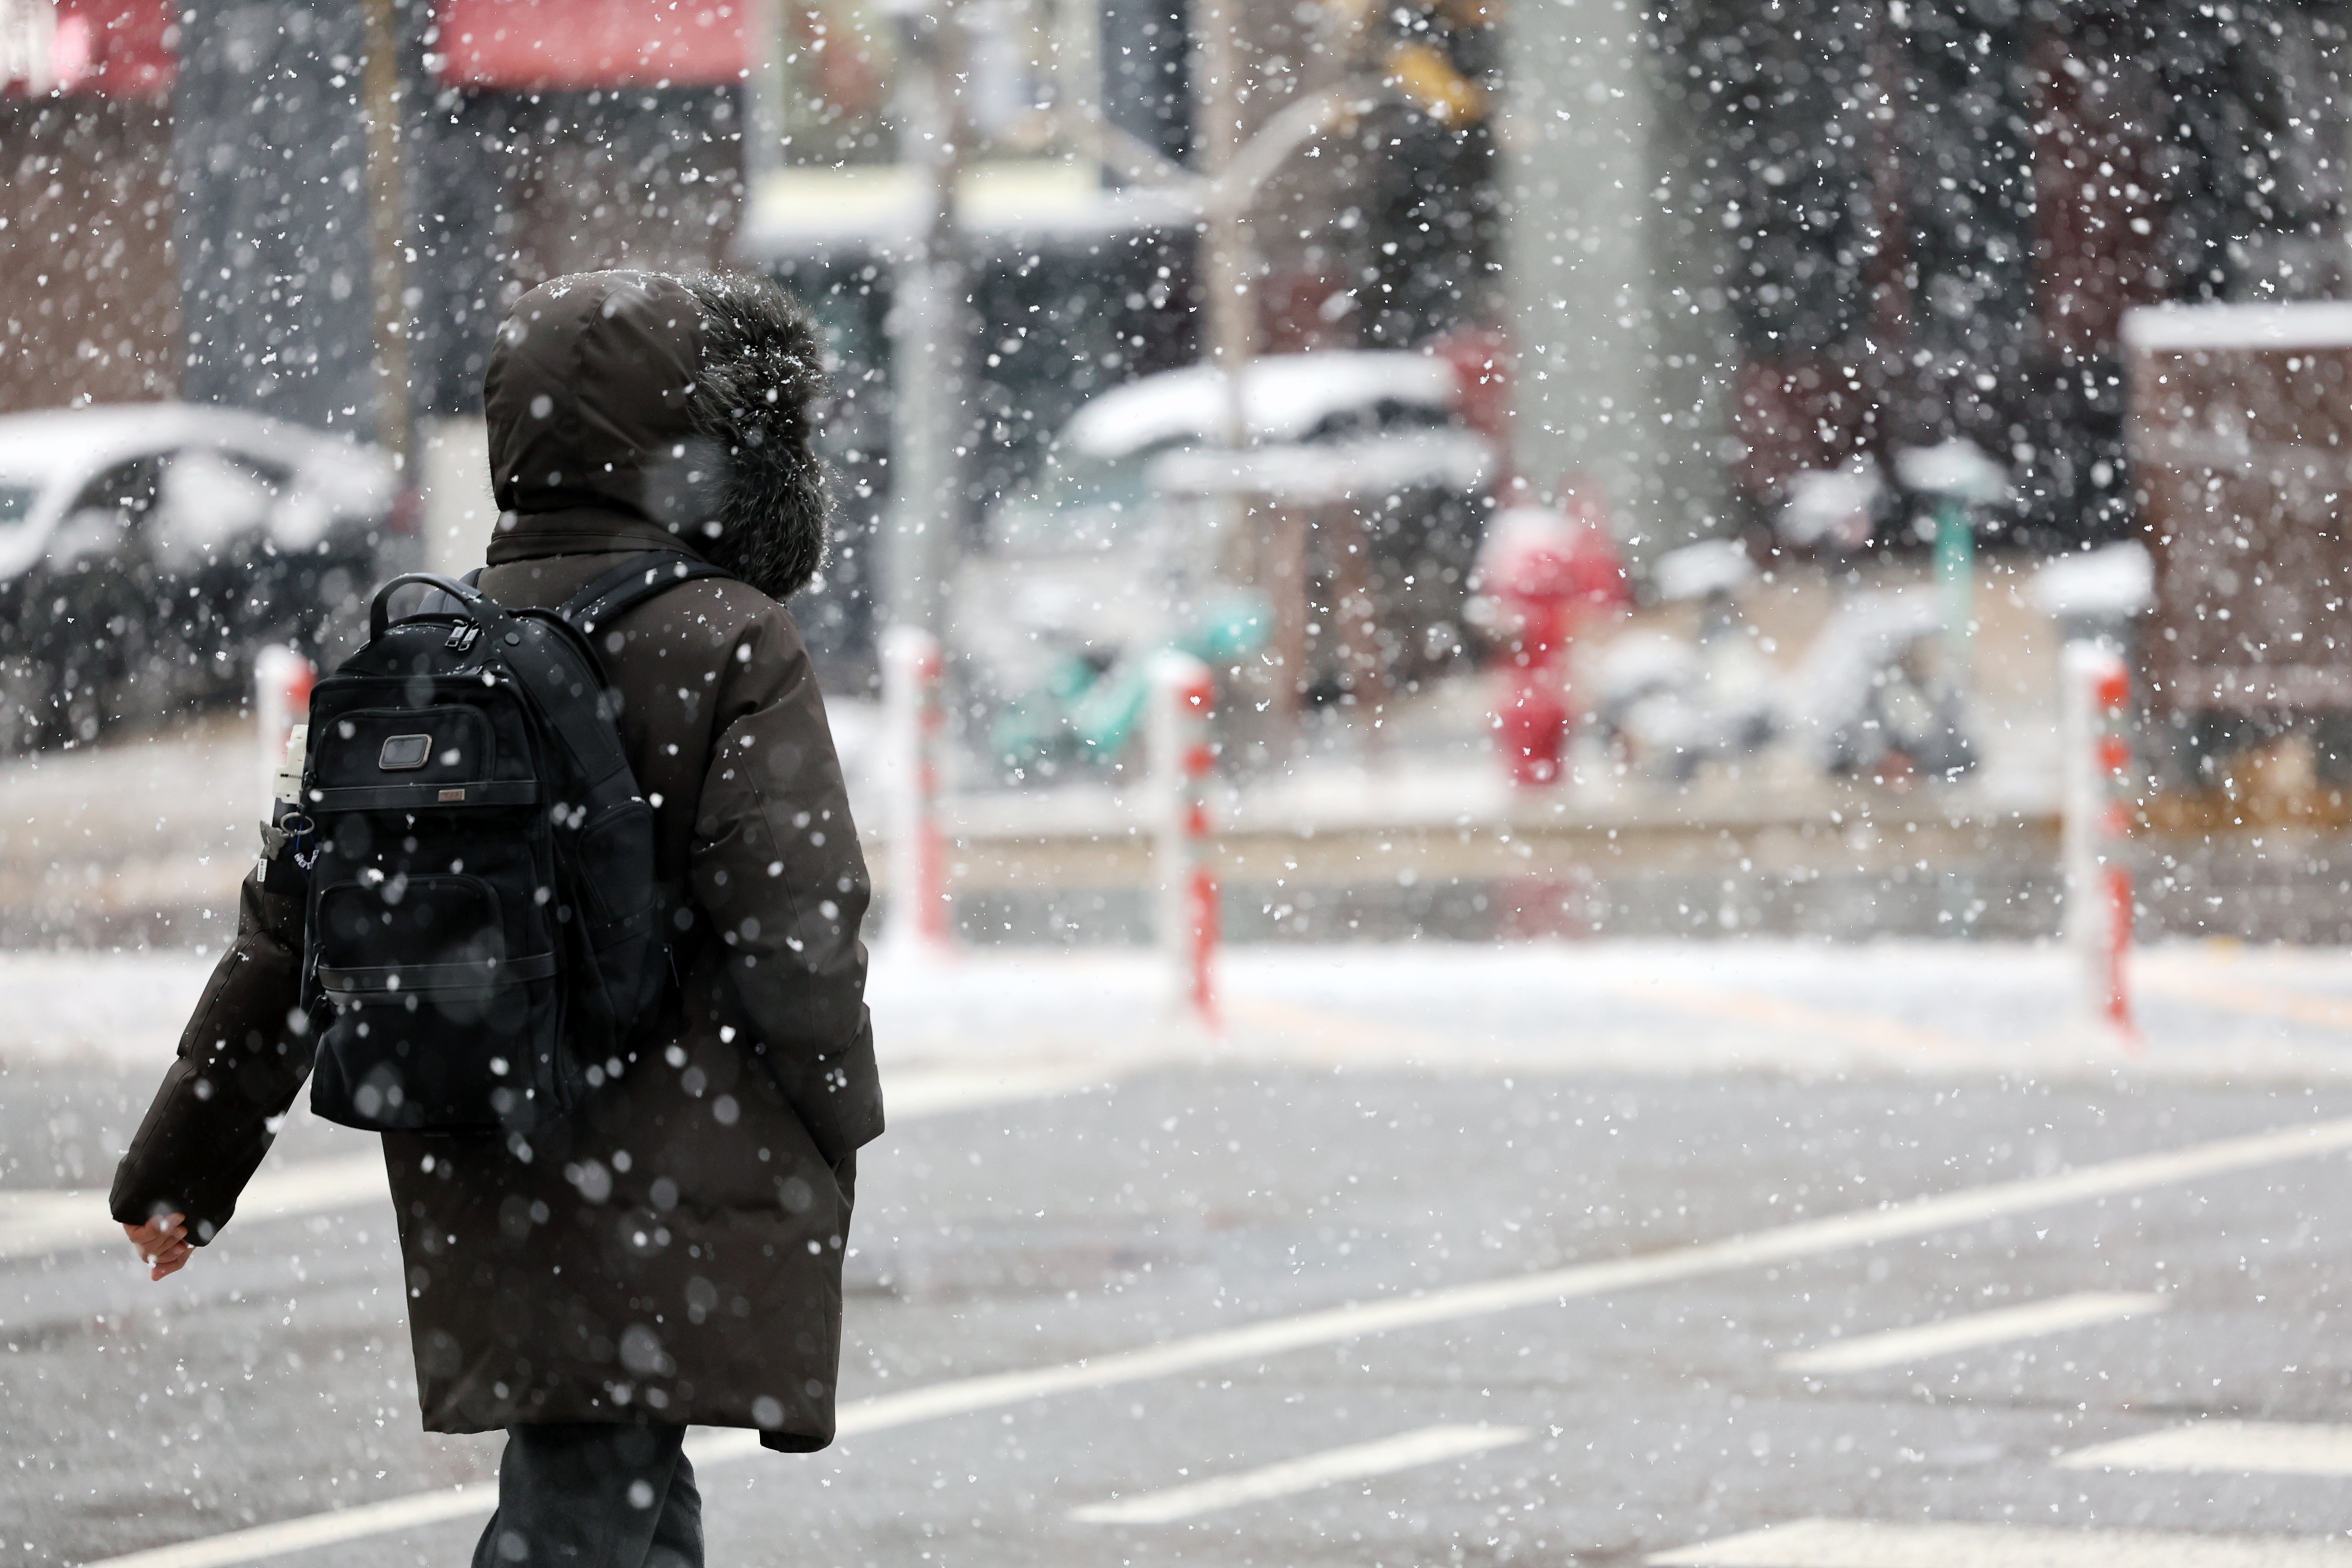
(688, 402)
(762, 374)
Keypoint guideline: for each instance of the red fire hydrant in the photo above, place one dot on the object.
(1544, 573)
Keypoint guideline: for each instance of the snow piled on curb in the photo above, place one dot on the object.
(2209, 1012)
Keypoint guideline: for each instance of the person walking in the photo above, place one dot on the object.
(667, 1252)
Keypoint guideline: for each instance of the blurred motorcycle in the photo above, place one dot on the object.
(1086, 706)
(1870, 693)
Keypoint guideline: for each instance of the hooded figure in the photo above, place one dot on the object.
(671, 1254)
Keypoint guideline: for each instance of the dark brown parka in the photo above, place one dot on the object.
(674, 1251)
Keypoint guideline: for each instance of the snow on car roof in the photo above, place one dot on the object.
(1457, 460)
(2311, 324)
(1284, 396)
(49, 444)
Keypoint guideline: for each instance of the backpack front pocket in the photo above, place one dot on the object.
(429, 1004)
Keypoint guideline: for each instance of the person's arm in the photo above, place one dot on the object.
(243, 1058)
(776, 867)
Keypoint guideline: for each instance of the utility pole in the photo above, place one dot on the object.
(763, 114)
(387, 212)
(929, 336)
(1227, 269)
(1272, 558)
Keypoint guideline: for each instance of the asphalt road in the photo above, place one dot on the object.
(1598, 1414)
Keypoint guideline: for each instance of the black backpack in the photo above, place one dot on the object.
(483, 934)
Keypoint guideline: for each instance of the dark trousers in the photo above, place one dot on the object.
(584, 1495)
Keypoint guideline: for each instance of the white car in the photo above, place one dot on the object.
(147, 550)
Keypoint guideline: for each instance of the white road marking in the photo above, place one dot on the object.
(1901, 1347)
(36, 1224)
(317, 1530)
(1258, 1341)
(942, 1091)
(1428, 1445)
(1855, 1543)
(33, 1224)
(2233, 1447)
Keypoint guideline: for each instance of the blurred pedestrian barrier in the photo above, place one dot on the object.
(912, 725)
(1183, 698)
(2097, 825)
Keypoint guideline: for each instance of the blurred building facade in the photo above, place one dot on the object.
(88, 294)
(190, 192)
(1724, 243)
(200, 193)
(1748, 241)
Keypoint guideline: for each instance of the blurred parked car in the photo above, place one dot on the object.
(1126, 545)
(146, 550)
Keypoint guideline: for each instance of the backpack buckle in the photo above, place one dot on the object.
(463, 635)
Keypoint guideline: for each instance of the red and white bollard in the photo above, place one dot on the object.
(1183, 757)
(2097, 826)
(913, 723)
(282, 679)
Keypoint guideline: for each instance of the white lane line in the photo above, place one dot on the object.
(942, 1091)
(33, 1225)
(36, 1224)
(1901, 1347)
(2230, 1447)
(1257, 1342)
(1429, 1445)
(1856, 1543)
(317, 1530)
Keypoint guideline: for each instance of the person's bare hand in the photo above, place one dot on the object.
(163, 1242)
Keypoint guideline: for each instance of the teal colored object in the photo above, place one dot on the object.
(1955, 551)
(1078, 714)
(1107, 717)
(1233, 626)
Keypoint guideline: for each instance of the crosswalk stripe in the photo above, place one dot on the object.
(1901, 1347)
(1857, 1543)
(2239, 1447)
(1428, 1445)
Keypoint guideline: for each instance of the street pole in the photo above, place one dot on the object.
(1225, 267)
(1227, 277)
(387, 212)
(928, 339)
(764, 115)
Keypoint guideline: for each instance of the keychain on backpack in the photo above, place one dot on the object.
(287, 827)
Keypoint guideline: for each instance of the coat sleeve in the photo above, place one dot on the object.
(242, 1059)
(776, 867)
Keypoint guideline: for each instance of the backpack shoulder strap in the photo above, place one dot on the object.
(633, 583)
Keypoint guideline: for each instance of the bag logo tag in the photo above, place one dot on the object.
(403, 752)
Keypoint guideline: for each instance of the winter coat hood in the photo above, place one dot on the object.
(684, 402)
